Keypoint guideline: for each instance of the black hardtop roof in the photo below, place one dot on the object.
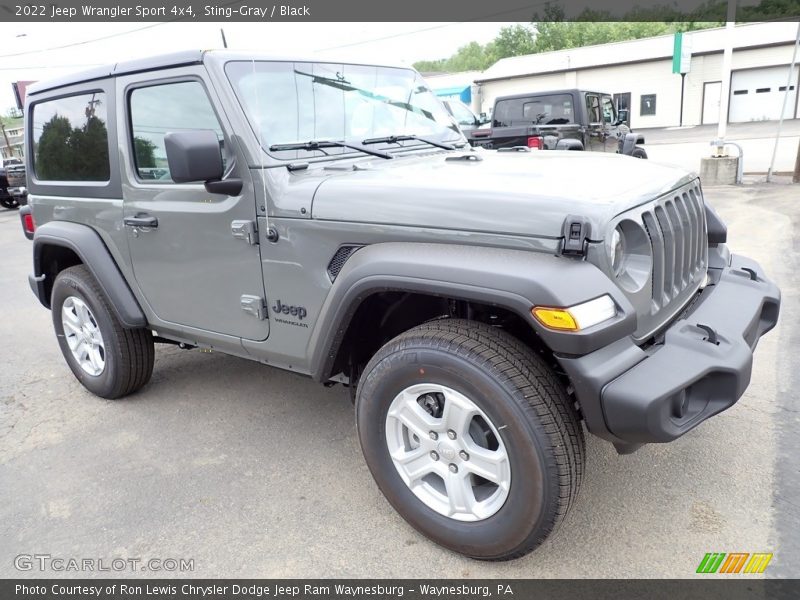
(548, 93)
(174, 59)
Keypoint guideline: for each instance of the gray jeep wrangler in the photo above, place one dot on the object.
(331, 219)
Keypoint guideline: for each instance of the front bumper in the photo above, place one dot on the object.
(632, 395)
(18, 193)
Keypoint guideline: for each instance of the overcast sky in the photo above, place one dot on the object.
(30, 53)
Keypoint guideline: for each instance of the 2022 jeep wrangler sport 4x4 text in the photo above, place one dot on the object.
(331, 219)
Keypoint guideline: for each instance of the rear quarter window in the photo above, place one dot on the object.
(70, 138)
(555, 109)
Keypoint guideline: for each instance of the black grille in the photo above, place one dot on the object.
(16, 176)
(677, 229)
(338, 260)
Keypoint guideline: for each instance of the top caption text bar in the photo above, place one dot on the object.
(381, 11)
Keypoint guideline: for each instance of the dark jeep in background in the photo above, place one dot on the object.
(560, 120)
(13, 192)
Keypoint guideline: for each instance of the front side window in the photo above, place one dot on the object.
(70, 139)
(593, 108)
(609, 113)
(159, 109)
(288, 102)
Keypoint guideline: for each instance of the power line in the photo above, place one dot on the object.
(441, 26)
(107, 37)
(81, 43)
(33, 67)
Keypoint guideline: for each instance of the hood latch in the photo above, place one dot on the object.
(576, 233)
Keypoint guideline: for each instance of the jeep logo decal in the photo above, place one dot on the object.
(295, 311)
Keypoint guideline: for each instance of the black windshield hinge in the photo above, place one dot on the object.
(576, 235)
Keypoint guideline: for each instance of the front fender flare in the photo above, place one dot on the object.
(89, 247)
(513, 279)
(629, 142)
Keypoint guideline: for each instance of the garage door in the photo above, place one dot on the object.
(757, 94)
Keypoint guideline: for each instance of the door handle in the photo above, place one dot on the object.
(141, 220)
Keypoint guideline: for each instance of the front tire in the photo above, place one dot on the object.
(108, 359)
(471, 438)
(638, 152)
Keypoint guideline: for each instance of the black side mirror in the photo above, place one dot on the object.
(196, 156)
(622, 116)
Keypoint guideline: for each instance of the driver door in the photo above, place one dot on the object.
(600, 123)
(193, 271)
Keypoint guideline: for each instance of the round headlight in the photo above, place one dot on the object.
(616, 251)
(630, 255)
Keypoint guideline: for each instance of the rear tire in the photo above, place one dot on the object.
(529, 426)
(108, 359)
(10, 203)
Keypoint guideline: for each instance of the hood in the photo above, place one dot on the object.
(520, 193)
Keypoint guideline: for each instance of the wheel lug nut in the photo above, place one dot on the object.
(434, 435)
(463, 455)
(435, 455)
(453, 468)
(451, 434)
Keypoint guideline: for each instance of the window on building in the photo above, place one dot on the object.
(70, 139)
(648, 105)
(762, 90)
(159, 109)
(740, 92)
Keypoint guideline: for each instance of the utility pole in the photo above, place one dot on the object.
(727, 59)
(783, 107)
(5, 136)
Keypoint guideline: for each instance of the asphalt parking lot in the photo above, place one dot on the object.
(255, 472)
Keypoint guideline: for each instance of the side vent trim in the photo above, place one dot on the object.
(339, 258)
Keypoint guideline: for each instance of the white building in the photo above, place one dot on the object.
(639, 75)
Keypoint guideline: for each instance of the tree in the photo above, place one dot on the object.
(64, 153)
(471, 57)
(52, 160)
(552, 31)
(145, 153)
(514, 40)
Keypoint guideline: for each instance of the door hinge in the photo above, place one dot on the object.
(576, 233)
(254, 305)
(245, 230)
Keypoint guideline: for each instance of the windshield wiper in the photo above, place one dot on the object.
(393, 139)
(322, 144)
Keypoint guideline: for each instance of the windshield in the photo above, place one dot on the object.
(288, 102)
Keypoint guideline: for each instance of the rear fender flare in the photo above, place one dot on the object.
(89, 247)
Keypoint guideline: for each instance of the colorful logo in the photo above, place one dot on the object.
(734, 562)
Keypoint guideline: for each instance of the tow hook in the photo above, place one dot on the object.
(712, 335)
(751, 272)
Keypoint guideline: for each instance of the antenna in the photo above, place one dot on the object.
(272, 235)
